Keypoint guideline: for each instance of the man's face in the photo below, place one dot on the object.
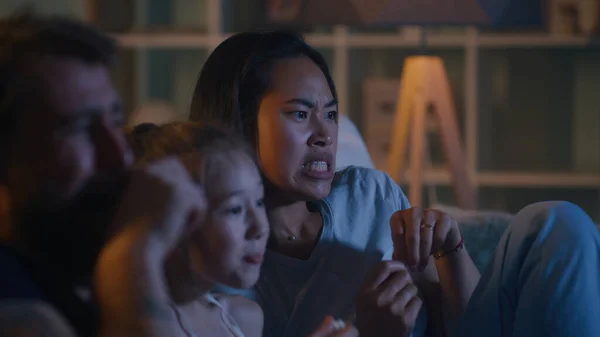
(70, 135)
(71, 132)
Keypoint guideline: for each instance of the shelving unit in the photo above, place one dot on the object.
(365, 40)
(519, 179)
(485, 68)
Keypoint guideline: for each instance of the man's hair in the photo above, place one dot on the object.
(25, 36)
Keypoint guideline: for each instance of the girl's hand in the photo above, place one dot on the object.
(162, 205)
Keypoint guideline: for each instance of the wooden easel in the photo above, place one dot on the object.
(424, 87)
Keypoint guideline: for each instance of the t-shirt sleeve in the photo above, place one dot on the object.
(400, 199)
(401, 202)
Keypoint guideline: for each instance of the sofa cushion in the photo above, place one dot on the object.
(482, 231)
(351, 150)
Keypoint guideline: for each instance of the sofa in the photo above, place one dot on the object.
(482, 230)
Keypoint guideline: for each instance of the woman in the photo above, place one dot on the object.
(330, 231)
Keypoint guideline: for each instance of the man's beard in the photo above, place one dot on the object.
(66, 237)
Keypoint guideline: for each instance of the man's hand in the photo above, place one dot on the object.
(388, 304)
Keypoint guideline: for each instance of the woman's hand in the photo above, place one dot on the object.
(417, 234)
(388, 304)
(329, 329)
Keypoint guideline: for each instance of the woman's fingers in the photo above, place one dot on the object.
(404, 297)
(380, 274)
(348, 331)
(442, 228)
(389, 290)
(417, 234)
(412, 236)
(382, 311)
(427, 228)
(325, 328)
(397, 229)
(333, 328)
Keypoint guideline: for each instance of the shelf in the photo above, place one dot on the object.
(366, 40)
(430, 177)
(533, 41)
(541, 179)
(517, 179)
(197, 40)
(201, 40)
(397, 40)
(167, 40)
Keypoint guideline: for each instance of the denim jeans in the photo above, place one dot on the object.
(543, 280)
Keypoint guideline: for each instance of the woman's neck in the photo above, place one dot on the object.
(289, 218)
(295, 231)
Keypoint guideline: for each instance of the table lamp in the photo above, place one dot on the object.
(424, 87)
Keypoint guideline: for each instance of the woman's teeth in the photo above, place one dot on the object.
(315, 166)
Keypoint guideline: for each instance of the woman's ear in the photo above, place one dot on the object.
(5, 230)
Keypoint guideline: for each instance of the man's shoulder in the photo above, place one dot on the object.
(17, 281)
(32, 318)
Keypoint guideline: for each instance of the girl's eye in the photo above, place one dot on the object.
(234, 210)
(260, 203)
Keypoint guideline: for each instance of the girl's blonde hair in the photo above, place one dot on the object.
(199, 146)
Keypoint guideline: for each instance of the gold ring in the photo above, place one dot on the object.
(427, 226)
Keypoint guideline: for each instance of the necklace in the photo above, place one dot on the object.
(291, 238)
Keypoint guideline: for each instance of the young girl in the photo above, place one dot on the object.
(228, 249)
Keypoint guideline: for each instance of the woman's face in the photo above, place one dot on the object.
(298, 131)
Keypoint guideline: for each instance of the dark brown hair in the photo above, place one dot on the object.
(237, 75)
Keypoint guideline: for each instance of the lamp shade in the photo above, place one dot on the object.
(419, 12)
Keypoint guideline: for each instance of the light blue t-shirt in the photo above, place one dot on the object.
(296, 295)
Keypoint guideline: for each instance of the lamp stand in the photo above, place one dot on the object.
(424, 88)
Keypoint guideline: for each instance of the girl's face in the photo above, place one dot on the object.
(229, 247)
(298, 130)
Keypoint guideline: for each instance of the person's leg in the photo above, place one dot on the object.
(544, 278)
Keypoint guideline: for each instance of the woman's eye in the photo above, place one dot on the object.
(300, 114)
(260, 203)
(332, 115)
